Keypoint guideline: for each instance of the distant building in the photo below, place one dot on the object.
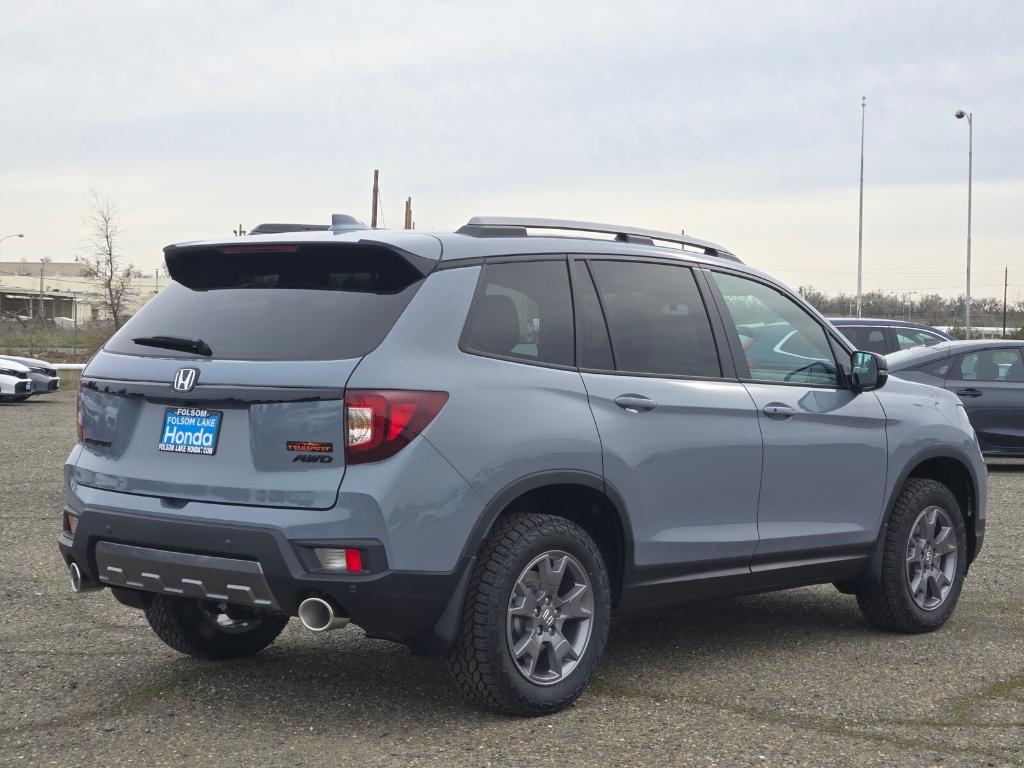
(61, 289)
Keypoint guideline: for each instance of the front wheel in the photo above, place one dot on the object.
(923, 563)
(208, 630)
(536, 617)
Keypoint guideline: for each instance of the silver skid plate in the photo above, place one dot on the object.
(183, 575)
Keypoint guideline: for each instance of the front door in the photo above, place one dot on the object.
(823, 476)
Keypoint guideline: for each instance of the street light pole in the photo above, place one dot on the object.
(960, 114)
(7, 237)
(860, 219)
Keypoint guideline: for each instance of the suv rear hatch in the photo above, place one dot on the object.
(228, 385)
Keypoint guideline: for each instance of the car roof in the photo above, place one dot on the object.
(873, 322)
(906, 358)
(25, 360)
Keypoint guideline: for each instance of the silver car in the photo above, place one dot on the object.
(43, 375)
(15, 382)
(480, 443)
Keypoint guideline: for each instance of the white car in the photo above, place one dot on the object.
(43, 374)
(15, 381)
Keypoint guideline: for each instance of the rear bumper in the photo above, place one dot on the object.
(259, 566)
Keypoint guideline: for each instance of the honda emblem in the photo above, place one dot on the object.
(185, 379)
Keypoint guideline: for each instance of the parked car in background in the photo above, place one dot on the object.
(886, 336)
(987, 376)
(478, 443)
(15, 383)
(43, 374)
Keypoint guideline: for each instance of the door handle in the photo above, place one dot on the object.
(635, 403)
(969, 392)
(776, 411)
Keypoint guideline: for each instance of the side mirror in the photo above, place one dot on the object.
(868, 371)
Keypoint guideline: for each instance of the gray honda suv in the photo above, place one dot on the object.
(481, 443)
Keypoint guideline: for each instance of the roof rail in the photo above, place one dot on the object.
(516, 226)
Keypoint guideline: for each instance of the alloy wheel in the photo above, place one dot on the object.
(550, 616)
(931, 558)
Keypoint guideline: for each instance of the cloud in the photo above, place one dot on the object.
(200, 115)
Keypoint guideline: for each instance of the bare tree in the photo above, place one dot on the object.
(103, 259)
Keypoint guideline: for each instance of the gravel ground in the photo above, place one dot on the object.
(793, 678)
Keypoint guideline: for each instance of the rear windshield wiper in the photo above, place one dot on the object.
(196, 346)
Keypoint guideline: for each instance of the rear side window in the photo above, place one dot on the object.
(522, 310)
(866, 339)
(992, 365)
(906, 338)
(937, 368)
(656, 318)
(307, 303)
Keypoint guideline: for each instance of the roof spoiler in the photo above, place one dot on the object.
(340, 222)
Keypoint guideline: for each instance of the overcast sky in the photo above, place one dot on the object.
(737, 121)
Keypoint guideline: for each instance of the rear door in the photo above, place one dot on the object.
(824, 446)
(990, 383)
(228, 385)
(679, 434)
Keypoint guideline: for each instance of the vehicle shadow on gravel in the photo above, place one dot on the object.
(340, 681)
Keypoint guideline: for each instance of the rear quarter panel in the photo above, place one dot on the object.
(503, 420)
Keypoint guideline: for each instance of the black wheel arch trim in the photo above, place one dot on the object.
(547, 478)
(872, 573)
(440, 638)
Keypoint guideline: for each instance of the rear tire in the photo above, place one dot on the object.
(540, 585)
(923, 563)
(203, 630)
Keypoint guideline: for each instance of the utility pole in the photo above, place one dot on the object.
(376, 198)
(1006, 280)
(408, 213)
(41, 268)
(860, 218)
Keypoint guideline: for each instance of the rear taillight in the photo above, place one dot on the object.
(78, 415)
(381, 422)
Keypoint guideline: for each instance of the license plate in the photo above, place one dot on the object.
(190, 430)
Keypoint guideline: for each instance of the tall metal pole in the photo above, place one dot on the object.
(376, 196)
(860, 219)
(1006, 280)
(970, 183)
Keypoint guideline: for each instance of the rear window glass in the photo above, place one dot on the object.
(325, 303)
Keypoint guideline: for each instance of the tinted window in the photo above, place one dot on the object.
(992, 365)
(595, 349)
(865, 339)
(656, 318)
(522, 310)
(323, 304)
(909, 337)
(938, 368)
(781, 341)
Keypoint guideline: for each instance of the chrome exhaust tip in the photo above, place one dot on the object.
(318, 615)
(78, 583)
